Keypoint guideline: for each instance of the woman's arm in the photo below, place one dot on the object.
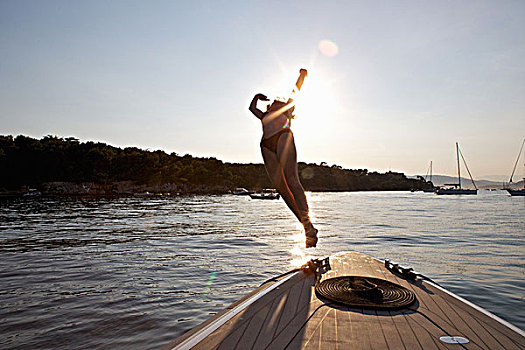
(253, 106)
(303, 73)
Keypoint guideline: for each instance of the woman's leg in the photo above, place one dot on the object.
(275, 172)
(287, 156)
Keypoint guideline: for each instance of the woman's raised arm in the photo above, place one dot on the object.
(253, 106)
(303, 73)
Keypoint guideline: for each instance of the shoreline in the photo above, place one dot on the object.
(123, 189)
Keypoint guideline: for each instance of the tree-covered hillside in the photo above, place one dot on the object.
(30, 162)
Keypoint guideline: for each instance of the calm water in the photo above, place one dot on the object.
(136, 273)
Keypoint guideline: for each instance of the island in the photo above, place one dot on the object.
(65, 166)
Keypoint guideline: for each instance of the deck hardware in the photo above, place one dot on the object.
(408, 273)
(454, 340)
(318, 266)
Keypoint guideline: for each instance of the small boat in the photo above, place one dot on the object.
(456, 191)
(144, 194)
(32, 193)
(352, 301)
(520, 192)
(456, 188)
(266, 194)
(241, 192)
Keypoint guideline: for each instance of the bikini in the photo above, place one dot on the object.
(271, 142)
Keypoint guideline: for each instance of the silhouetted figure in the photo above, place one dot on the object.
(280, 156)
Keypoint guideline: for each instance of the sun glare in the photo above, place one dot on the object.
(298, 256)
(315, 104)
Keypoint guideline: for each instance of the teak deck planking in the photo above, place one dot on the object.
(291, 316)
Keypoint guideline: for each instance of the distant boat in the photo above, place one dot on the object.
(456, 189)
(520, 192)
(433, 189)
(241, 191)
(517, 192)
(144, 194)
(266, 194)
(32, 193)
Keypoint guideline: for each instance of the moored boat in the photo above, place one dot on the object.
(456, 191)
(241, 192)
(456, 188)
(516, 192)
(265, 194)
(32, 193)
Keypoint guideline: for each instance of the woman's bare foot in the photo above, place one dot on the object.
(311, 237)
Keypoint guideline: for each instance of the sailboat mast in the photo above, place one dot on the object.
(430, 171)
(517, 159)
(457, 156)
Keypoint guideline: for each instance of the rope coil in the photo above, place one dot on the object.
(365, 292)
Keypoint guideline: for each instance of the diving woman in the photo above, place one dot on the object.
(280, 156)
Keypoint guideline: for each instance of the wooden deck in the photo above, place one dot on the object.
(290, 316)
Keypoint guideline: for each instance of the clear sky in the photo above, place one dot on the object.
(408, 78)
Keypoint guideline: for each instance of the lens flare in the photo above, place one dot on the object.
(208, 286)
(307, 173)
(328, 48)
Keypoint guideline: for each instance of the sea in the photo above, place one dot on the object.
(136, 273)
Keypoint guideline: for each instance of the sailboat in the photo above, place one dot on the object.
(429, 179)
(520, 192)
(456, 189)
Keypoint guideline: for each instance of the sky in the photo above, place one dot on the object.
(391, 85)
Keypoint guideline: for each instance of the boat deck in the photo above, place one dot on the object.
(287, 314)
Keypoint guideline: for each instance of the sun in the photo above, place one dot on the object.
(315, 96)
(315, 104)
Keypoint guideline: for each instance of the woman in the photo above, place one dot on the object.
(280, 157)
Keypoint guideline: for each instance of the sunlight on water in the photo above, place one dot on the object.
(298, 256)
(298, 237)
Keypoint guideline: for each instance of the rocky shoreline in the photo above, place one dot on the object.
(127, 189)
(115, 189)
